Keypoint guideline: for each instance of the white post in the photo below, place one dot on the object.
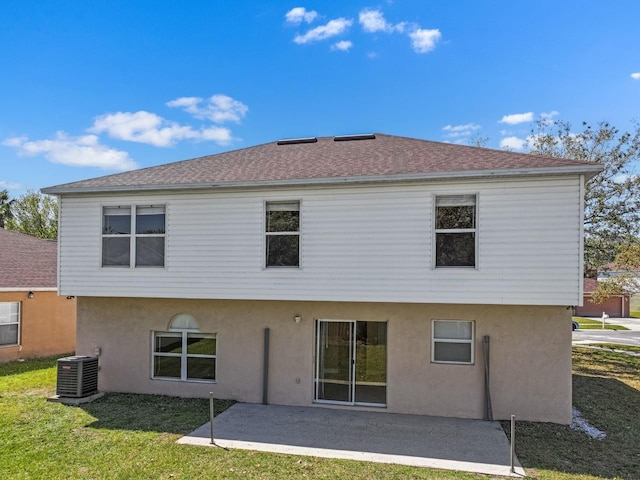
(604, 317)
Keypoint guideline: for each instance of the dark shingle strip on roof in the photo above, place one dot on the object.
(327, 161)
(27, 262)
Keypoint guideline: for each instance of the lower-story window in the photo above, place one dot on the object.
(184, 356)
(9, 323)
(452, 341)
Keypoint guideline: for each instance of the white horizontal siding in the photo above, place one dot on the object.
(369, 243)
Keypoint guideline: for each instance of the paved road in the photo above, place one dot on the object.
(627, 337)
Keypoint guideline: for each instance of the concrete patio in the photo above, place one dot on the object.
(421, 441)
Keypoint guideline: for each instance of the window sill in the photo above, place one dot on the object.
(456, 268)
(435, 362)
(169, 379)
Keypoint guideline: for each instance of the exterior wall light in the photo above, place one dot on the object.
(30, 295)
(297, 318)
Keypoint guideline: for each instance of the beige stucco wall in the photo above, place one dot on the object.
(48, 325)
(530, 353)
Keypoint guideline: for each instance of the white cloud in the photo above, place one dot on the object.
(83, 151)
(10, 186)
(455, 131)
(517, 118)
(635, 76)
(14, 141)
(549, 115)
(622, 178)
(513, 143)
(149, 128)
(546, 118)
(185, 102)
(218, 108)
(373, 21)
(331, 29)
(297, 15)
(424, 40)
(343, 45)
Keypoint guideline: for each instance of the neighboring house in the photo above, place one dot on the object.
(34, 320)
(377, 264)
(615, 306)
(611, 270)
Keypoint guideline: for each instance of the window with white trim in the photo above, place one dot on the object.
(455, 230)
(145, 247)
(282, 230)
(184, 355)
(9, 323)
(452, 341)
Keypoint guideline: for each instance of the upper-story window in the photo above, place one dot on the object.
(455, 227)
(282, 230)
(133, 236)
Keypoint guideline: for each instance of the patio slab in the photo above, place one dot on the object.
(416, 440)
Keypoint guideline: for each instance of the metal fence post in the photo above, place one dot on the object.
(211, 415)
(513, 443)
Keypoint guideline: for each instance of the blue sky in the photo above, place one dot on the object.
(99, 87)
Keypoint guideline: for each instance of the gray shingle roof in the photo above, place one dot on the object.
(385, 158)
(27, 262)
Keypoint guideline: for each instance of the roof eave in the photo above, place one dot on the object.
(587, 170)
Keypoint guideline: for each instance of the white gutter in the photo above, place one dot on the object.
(28, 289)
(587, 170)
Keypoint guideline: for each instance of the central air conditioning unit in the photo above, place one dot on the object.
(77, 376)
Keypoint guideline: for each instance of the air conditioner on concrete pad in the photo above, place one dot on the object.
(77, 376)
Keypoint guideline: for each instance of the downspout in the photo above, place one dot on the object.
(488, 411)
(265, 368)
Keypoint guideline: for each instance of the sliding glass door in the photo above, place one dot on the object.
(351, 362)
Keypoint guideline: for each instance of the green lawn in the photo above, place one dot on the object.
(590, 324)
(606, 390)
(634, 308)
(124, 436)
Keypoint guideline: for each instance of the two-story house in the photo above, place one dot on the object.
(357, 271)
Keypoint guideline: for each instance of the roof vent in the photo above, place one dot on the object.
(294, 141)
(346, 138)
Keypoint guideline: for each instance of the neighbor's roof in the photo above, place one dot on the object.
(27, 262)
(590, 285)
(332, 160)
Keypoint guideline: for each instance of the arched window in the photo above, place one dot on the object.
(183, 352)
(184, 321)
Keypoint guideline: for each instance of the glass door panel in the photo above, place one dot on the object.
(334, 361)
(351, 362)
(371, 363)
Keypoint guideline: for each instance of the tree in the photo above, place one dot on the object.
(35, 214)
(5, 207)
(612, 197)
(627, 261)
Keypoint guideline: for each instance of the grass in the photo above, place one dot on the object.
(590, 324)
(618, 346)
(124, 436)
(634, 307)
(606, 391)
